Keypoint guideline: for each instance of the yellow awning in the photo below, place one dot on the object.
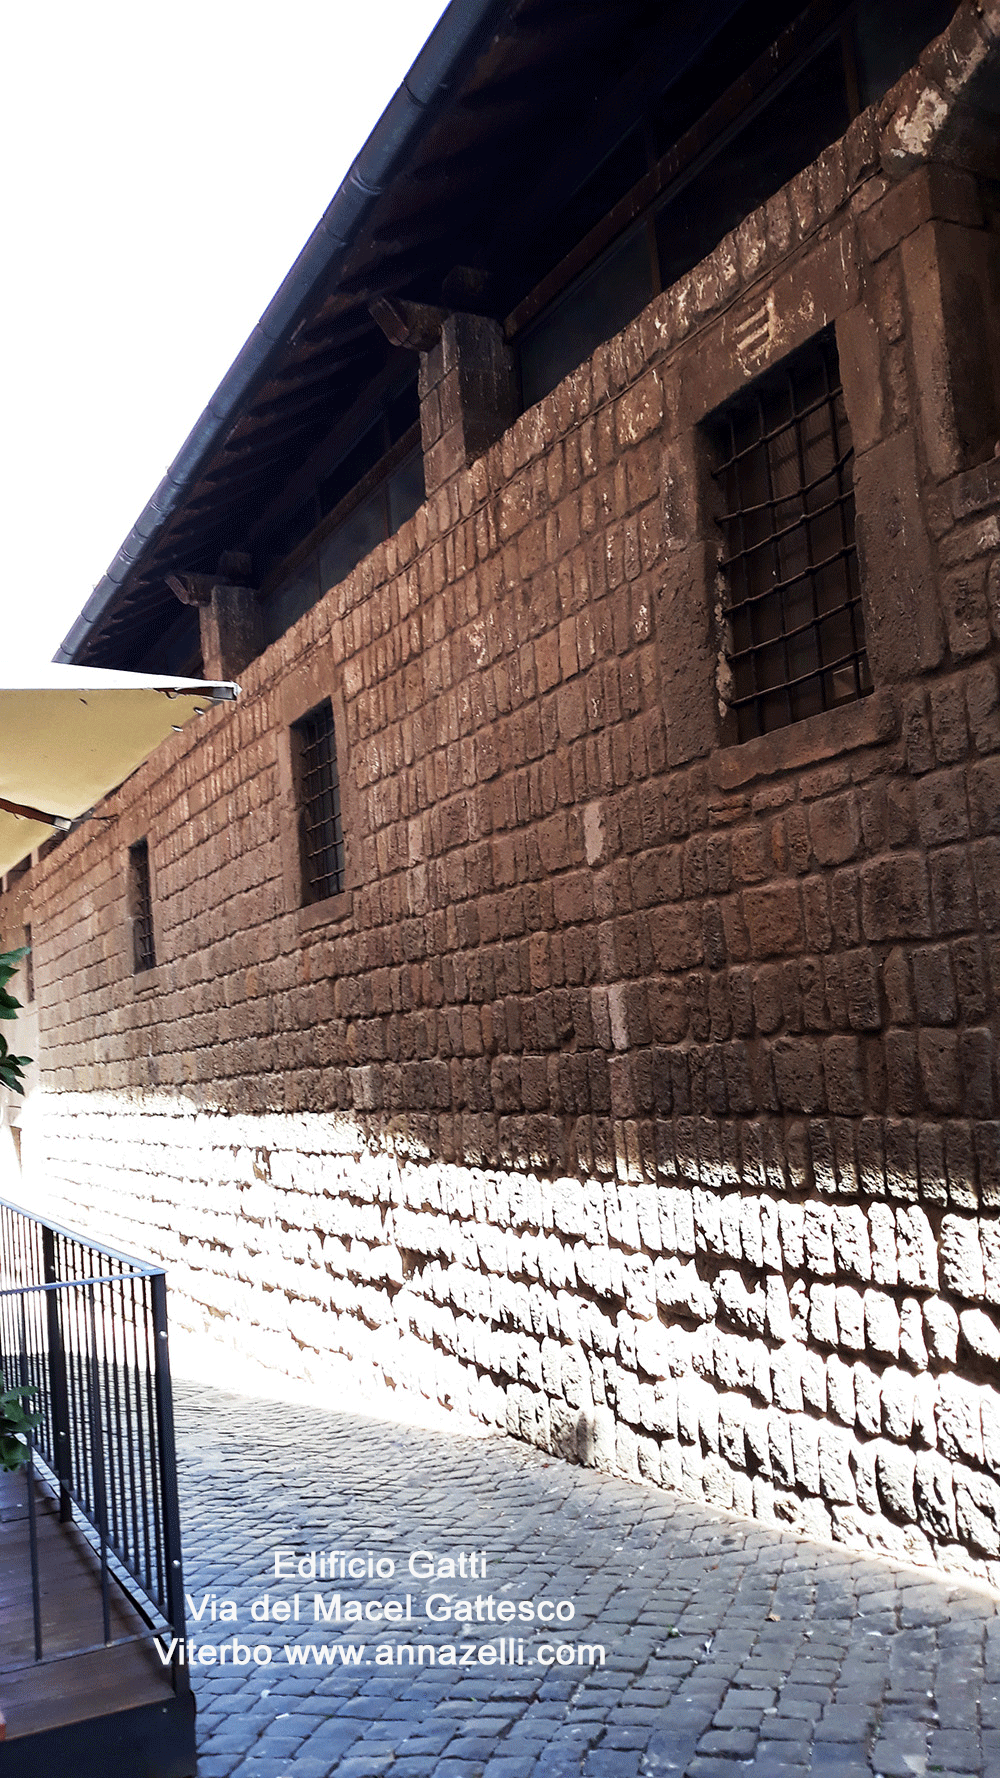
(69, 734)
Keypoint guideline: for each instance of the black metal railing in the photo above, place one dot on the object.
(85, 1329)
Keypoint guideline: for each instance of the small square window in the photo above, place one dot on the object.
(141, 907)
(321, 833)
(795, 636)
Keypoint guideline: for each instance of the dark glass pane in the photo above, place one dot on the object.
(288, 602)
(789, 133)
(179, 650)
(748, 34)
(292, 531)
(406, 490)
(601, 302)
(403, 412)
(890, 37)
(352, 540)
(349, 471)
(616, 175)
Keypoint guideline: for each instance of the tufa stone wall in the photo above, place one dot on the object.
(825, 1364)
(639, 1093)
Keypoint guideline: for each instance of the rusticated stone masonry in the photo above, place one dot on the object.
(826, 1364)
(640, 1091)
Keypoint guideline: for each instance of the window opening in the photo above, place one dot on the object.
(889, 40)
(141, 897)
(29, 969)
(595, 307)
(791, 129)
(372, 490)
(320, 827)
(792, 599)
(178, 648)
(716, 145)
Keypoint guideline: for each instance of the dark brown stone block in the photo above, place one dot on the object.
(774, 919)
(894, 897)
(903, 619)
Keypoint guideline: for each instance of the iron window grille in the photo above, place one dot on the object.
(141, 899)
(795, 635)
(320, 827)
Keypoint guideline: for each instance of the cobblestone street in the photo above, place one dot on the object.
(727, 1648)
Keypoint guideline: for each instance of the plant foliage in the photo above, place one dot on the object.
(11, 1067)
(16, 1422)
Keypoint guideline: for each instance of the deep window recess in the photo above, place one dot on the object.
(141, 907)
(321, 831)
(795, 638)
(178, 649)
(792, 130)
(29, 969)
(707, 169)
(595, 307)
(360, 524)
(359, 502)
(888, 40)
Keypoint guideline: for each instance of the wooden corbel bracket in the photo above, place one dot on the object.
(414, 325)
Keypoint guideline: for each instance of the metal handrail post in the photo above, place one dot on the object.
(168, 1473)
(98, 1480)
(58, 1384)
(29, 1481)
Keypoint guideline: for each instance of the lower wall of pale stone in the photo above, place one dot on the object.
(825, 1365)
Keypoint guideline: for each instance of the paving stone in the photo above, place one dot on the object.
(229, 1736)
(708, 1766)
(270, 1766)
(898, 1758)
(955, 1751)
(733, 1743)
(774, 1762)
(618, 1736)
(828, 1760)
(733, 1694)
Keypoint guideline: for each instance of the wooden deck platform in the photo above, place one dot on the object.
(39, 1696)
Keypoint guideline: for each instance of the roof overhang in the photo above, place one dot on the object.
(447, 187)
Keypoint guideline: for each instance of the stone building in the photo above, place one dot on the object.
(566, 982)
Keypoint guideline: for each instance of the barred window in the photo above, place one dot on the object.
(795, 638)
(320, 829)
(141, 907)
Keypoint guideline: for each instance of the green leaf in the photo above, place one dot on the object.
(11, 1067)
(16, 1425)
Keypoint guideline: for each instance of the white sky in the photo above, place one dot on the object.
(162, 167)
